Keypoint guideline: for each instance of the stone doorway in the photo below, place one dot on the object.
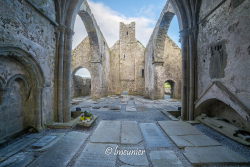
(81, 83)
(169, 89)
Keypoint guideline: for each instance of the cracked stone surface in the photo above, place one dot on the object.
(130, 133)
(107, 132)
(94, 155)
(153, 136)
(134, 160)
(165, 158)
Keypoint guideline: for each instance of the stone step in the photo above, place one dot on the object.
(60, 154)
(107, 132)
(97, 155)
(213, 155)
(153, 136)
(164, 159)
(130, 133)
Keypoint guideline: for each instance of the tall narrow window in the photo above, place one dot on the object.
(127, 32)
(142, 73)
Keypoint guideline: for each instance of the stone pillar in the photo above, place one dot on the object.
(185, 75)
(38, 109)
(59, 74)
(189, 53)
(67, 74)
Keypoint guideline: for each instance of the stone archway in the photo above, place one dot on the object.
(21, 89)
(81, 85)
(169, 88)
(99, 59)
(187, 14)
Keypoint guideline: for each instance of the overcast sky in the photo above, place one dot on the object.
(109, 13)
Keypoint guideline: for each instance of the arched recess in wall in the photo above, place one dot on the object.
(81, 82)
(222, 111)
(26, 84)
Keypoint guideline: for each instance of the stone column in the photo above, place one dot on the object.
(59, 73)
(185, 75)
(67, 74)
(192, 71)
(189, 54)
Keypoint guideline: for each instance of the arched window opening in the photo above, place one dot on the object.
(81, 85)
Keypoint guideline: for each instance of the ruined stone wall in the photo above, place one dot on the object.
(127, 63)
(154, 55)
(27, 55)
(81, 56)
(172, 66)
(223, 54)
(81, 87)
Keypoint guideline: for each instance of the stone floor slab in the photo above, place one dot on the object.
(194, 141)
(213, 155)
(107, 132)
(96, 155)
(130, 133)
(60, 154)
(130, 109)
(15, 147)
(133, 157)
(153, 136)
(164, 159)
(21, 159)
(178, 128)
(44, 141)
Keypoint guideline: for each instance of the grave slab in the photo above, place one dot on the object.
(15, 147)
(43, 141)
(21, 159)
(130, 133)
(107, 132)
(213, 155)
(94, 155)
(130, 109)
(60, 154)
(178, 128)
(132, 157)
(164, 158)
(194, 141)
(132, 166)
(153, 136)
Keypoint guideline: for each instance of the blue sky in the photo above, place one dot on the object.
(109, 13)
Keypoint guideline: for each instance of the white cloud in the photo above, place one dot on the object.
(108, 21)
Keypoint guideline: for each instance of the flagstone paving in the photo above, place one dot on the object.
(124, 127)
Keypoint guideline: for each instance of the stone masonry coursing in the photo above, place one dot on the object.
(81, 87)
(223, 61)
(27, 43)
(127, 65)
(35, 59)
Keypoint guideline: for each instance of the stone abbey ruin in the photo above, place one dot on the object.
(127, 65)
(205, 122)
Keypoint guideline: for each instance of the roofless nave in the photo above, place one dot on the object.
(36, 70)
